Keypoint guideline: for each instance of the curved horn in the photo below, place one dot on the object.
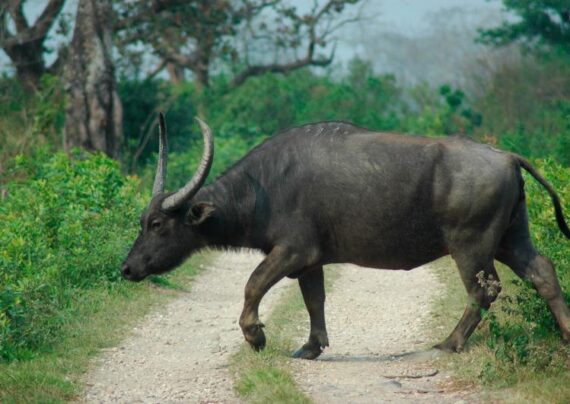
(160, 176)
(174, 201)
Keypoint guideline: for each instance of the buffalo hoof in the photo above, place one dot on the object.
(449, 346)
(304, 353)
(313, 348)
(256, 337)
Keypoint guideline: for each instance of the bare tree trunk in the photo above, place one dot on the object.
(24, 44)
(93, 111)
(175, 72)
(202, 73)
(29, 63)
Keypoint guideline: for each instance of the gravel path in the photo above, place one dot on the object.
(181, 352)
(373, 317)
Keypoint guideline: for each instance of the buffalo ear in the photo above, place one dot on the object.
(198, 213)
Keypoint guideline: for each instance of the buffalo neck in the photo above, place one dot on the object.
(234, 196)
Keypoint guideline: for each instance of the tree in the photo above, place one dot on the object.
(183, 35)
(195, 35)
(93, 109)
(24, 45)
(540, 22)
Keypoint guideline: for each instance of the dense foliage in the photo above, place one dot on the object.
(67, 223)
(538, 23)
(526, 108)
(267, 104)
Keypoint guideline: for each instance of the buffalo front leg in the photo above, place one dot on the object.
(279, 263)
(312, 286)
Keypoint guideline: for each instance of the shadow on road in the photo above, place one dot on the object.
(413, 356)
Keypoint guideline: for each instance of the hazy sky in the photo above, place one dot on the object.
(412, 16)
(384, 20)
(422, 40)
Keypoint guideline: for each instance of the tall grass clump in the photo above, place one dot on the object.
(66, 225)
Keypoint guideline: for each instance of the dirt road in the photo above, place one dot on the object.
(379, 330)
(181, 352)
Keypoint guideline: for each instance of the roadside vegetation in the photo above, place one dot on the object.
(95, 320)
(262, 377)
(68, 222)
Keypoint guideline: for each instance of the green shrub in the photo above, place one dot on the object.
(67, 223)
(275, 102)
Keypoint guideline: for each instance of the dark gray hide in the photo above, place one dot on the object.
(333, 193)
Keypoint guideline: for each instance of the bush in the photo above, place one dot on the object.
(67, 223)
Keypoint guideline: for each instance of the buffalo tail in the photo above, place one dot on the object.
(553, 195)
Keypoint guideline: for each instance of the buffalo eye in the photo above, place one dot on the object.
(155, 224)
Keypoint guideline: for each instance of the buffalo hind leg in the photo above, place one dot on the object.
(279, 263)
(312, 286)
(516, 251)
(482, 283)
(529, 265)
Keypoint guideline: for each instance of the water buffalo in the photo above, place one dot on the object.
(332, 192)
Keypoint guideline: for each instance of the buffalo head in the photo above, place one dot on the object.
(169, 225)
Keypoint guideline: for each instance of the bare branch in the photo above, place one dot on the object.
(3, 29)
(57, 65)
(314, 40)
(258, 70)
(46, 19)
(36, 32)
(171, 54)
(17, 14)
(255, 9)
(156, 70)
(132, 20)
(191, 35)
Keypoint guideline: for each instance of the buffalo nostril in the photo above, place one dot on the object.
(126, 270)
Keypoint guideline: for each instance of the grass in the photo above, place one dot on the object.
(100, 320)
(262, 377)
(505, 382)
